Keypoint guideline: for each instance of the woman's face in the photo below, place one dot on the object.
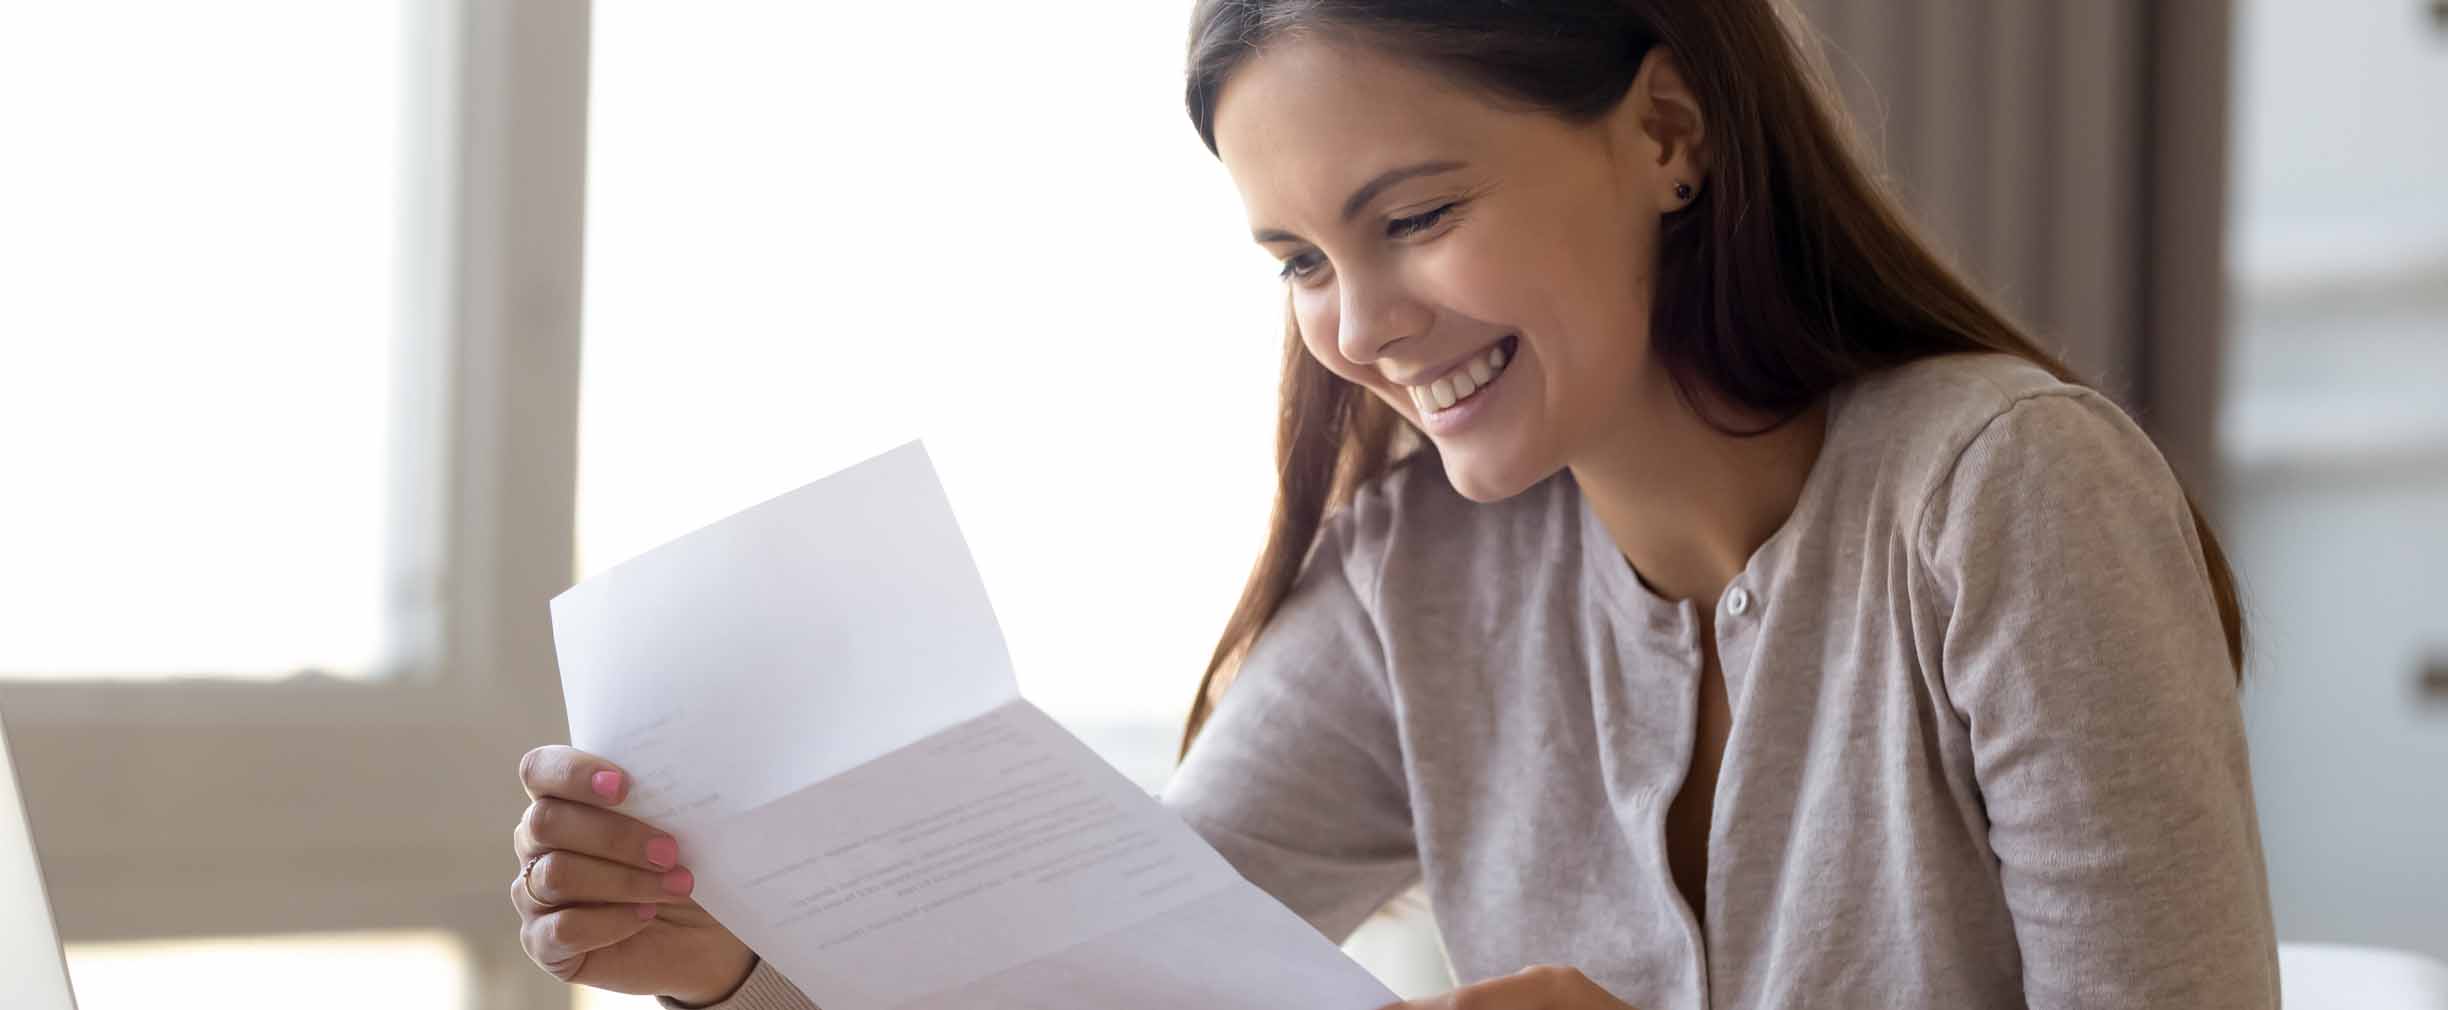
(1441, 249)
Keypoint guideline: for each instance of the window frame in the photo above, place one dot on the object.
(202, 808)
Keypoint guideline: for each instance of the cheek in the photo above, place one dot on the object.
(1599, 288)
(1315, 313)
(1510, 270)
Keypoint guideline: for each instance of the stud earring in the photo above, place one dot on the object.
(1683, 191)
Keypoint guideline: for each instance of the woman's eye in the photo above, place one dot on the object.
(1308, 264)
(1406, 226)
(1301, 266)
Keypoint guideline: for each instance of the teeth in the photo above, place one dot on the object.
(1458, 385)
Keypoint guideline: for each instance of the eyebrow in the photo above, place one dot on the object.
(1368, 191)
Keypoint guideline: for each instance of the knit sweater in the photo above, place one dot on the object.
(1986, 747)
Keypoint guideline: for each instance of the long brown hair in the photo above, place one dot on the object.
(1793, 272)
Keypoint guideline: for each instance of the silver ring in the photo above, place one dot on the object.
(527, 881)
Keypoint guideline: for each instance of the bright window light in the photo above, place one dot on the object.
(362, 971)
(198, 259)
(817, 230)
(597, 999)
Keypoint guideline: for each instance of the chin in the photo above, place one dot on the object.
(1486, 480)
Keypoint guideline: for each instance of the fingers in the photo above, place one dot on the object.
(560, 825)
(572, 774)
(559, 941)
(1538, 987)
(684, 912)
(569, 878)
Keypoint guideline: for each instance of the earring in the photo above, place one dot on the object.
(1683, 191)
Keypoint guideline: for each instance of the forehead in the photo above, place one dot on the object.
(1307, 118)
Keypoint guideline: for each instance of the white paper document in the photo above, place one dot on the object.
(813, 697)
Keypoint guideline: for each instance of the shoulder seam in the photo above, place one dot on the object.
(1946, 475)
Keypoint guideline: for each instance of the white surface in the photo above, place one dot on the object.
(814, 699)
(2319, 976)
(32, 975)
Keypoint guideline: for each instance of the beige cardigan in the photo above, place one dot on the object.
(1986, 747)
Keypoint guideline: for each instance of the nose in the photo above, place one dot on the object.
(1375, 314)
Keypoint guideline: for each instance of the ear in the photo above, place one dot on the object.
(1659, 122)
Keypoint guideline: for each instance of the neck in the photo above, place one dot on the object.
(1687, 504)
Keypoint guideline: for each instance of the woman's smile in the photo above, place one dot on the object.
(1460, 393)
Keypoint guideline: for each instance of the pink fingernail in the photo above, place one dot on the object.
(678, 882)
(662, 853)
(607, 785)
(646, 911)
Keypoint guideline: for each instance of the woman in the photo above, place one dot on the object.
(1676, 566)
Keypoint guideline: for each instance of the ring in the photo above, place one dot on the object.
(527, 881)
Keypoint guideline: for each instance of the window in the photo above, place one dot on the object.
(290, 363)
(814, 232)
(288, 374)
(202, 260)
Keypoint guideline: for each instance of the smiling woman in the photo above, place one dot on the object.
(1707, 314)
(1675, 567)
(1754, 449)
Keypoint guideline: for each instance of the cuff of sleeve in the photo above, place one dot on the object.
(765, 989)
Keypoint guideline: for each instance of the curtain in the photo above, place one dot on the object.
(2070, 156)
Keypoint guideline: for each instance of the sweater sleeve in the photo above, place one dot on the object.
(2085, 657)
(1297, 777)
(764, 989)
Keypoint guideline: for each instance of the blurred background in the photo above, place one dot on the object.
(335, 338)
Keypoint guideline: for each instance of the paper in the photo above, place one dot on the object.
(813, 697)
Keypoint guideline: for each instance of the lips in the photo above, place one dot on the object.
(1459, 382)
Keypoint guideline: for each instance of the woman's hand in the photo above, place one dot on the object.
(602, 898)
(1540, 987)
